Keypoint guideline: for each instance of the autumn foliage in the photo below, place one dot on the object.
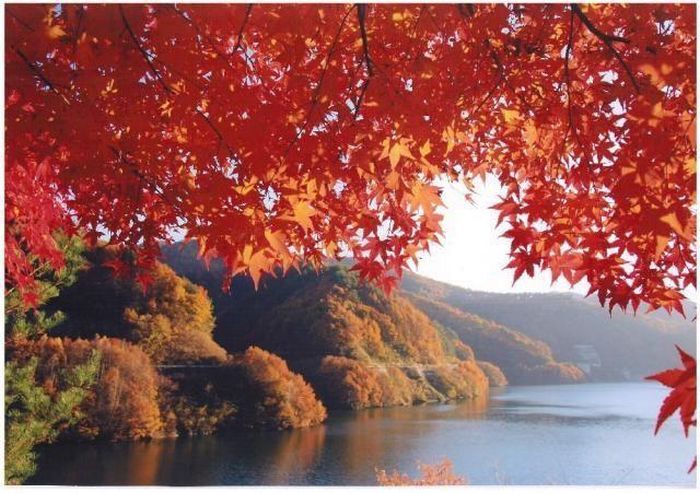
(493, 373)
(278, 140)
(440, 474)
(522, 359)
(350, 383)
(121, 405)
(171, 319)
(683, 395)
(282, 139)
(280, 398)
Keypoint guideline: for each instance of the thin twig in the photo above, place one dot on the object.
(139, 174)
(20, 21)
(363, 91)
(242, 28)
(40, 75)
(145, 54)
(317, 89)
(218, 133)
(567, 76)
(361, 17)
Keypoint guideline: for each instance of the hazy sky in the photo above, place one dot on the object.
(472, 255)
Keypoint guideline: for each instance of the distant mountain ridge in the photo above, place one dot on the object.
(620, 346)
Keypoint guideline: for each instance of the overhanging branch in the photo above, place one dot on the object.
(608, 40)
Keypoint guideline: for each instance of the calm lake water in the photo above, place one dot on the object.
(565, 434)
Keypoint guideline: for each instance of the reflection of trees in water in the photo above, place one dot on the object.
(475, 408)
(380, 438)
(345, 451)
(294, 455)
(143, 462)
(136, 463)
(189, 460)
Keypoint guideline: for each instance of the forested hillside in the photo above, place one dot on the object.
(627, 346)
(527, 335)
(337, 316)
(357, 346)
(523, 360)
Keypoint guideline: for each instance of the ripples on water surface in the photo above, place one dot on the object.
(567, 434)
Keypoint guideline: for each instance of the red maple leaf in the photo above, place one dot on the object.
(683, 397)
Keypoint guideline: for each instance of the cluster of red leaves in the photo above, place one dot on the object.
(32, 212)
(683, 396)
(283, 140)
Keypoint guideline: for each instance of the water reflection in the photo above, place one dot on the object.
(296, 450)
(588, 434)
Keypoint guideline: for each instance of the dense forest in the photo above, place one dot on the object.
(102, 357)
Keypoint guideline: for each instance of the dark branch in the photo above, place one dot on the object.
(567, 76)
(243, 24)
(145, 54)
(361, 17)
(39, 74)
(608, 40)
(363, 91)
(466, 9)
(139, 174)
(317, 90)
(224, 57)
(218, 133)
(20, 21)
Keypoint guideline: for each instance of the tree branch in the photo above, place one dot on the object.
(567, 76)
(242, 28)
(317, 90)
(139, 174)
(607, 40)
(19, 21)
(361, 16)
(218, 133)
(145, 54)
(39, 74)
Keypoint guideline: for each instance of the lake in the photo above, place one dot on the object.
(565, 434)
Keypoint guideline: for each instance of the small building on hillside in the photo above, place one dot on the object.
(587, 358)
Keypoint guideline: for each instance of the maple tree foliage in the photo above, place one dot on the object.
(683, 396)
(281, 140)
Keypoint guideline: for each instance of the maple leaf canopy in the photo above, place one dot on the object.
(276, 134)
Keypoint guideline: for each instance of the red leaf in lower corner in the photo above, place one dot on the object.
(683, 397)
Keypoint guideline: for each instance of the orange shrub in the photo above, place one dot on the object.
(439, 474)
(461, 381)
(122, 404)
(347, 382)
(493, 373)
(279, 397)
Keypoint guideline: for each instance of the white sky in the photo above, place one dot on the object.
(472, 254)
